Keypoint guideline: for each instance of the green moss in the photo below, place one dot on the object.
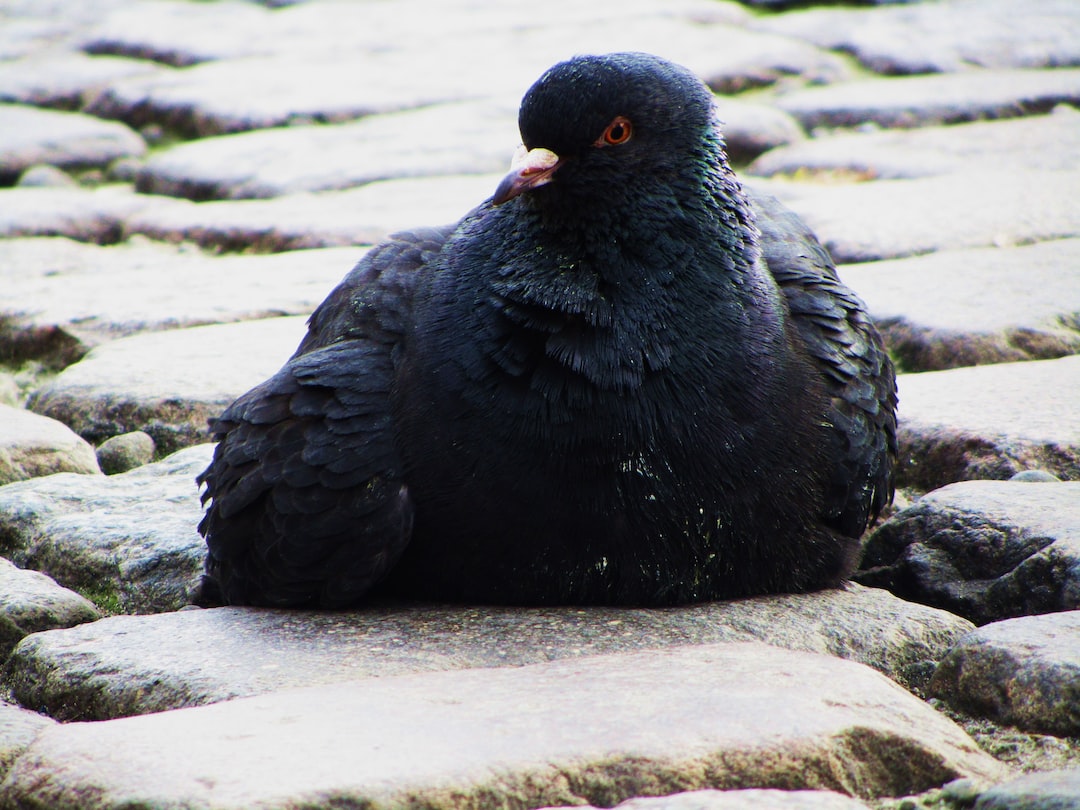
(105, 598)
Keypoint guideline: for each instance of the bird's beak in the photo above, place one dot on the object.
(530, 168)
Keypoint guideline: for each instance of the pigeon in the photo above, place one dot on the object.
(623, 379)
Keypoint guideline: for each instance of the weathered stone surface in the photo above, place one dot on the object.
(127, 541)
(971, 307)
(185, 377)
(940, 99)
(986, 550)
(887, 219)
(473, 137)
(290, 66)
(137, 664)
(125, 452)
(750, 128)
(741, 800)
(600, 729)
(989, 422)
(942, 37)
(31, 602)
(65, 79)
(236, 95)
(43, 175)
(1054, 790)
(63, 297)
(32, 445)
(18, 728)
(1050, 142)
(179, 33)
(30, 136)
(358, 216)
(89, 216)
(1025, 672)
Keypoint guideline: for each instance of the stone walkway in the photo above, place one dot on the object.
(182, 182)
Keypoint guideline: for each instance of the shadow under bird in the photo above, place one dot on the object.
(623, 379)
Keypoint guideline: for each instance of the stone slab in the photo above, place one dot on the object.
(128, 542)
(888, 219)
(371, 60)
(474, 137)
(30, 136)
(597, 729)
(31, 602)
(986, 550)
(167, 384)
(18, 727)
(358, 216)
(911, 101)
(942, 37)
(1024, 672)
(741, 800)
(138, 664)
(989, 422)
(1050, 142)
(971, 307)
(65, 79)
(1052, 790)
(32, 445)
(178, 33)
(87, 215)
(63, 297)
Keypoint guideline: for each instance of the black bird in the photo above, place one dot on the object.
(623, 379)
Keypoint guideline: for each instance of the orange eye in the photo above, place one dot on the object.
(617, 132)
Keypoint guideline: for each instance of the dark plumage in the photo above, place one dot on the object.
(622, 380)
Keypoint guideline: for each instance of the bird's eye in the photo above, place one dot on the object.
(617, 132)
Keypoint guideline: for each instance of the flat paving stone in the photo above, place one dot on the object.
(910, 101)
(128, 542)
(32, 445)
(167, 384)
(1052, 790)
(473, 138)
(1024, 672)
(31, 136)
(740, 800)
(128, 665)
(31, 602)
(89, 216)
(889, 219)
(598, 729)
(319, 69)
(181, 33)
(18, 727)
(358, 216)
(1049, 142)
(178, 33)
(942, 37)
(65, 79)
(62, 297)
(971, 307)
(236, 95)
(985, 550)
(989, 422)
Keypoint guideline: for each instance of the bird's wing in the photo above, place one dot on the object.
(849, 352)
(307, 500)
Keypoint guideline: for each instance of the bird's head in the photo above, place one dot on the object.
(595, 127)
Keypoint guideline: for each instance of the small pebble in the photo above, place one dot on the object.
(125, 452)
(45, 176)
(1035, 476)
